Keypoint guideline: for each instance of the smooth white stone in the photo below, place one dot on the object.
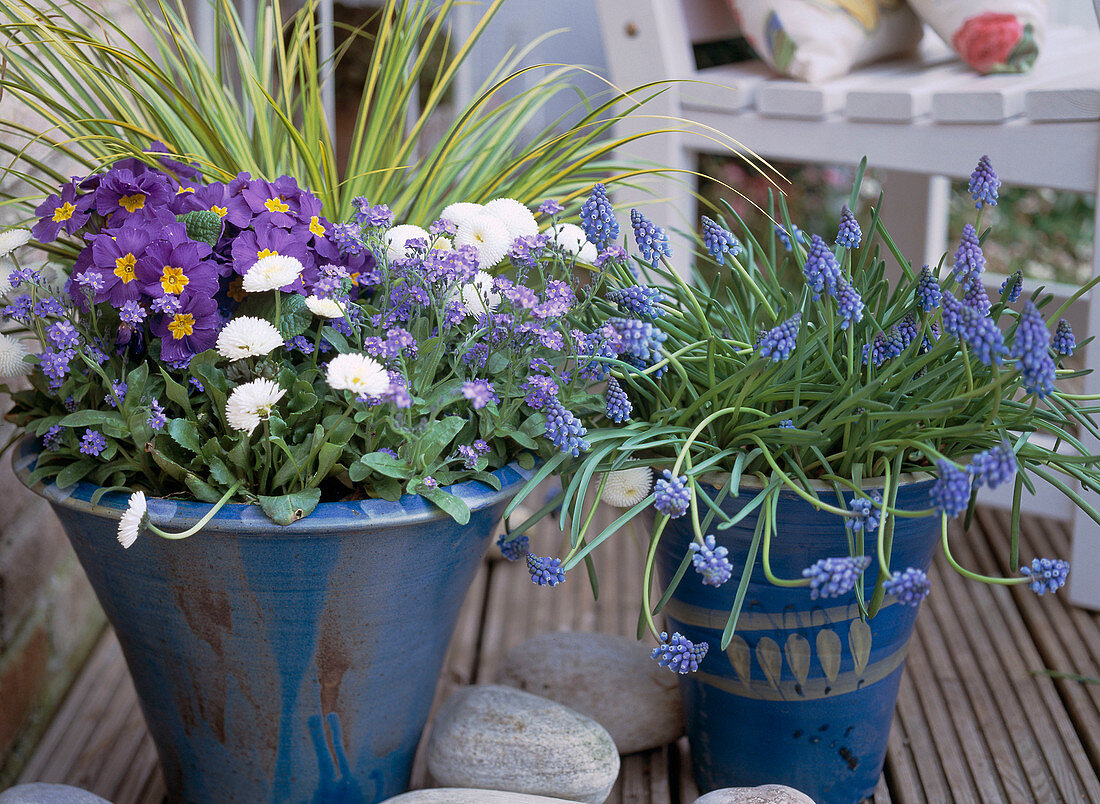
(462, 795)
(499, 738)
(764, 794)
(42, 793)
(611, 679)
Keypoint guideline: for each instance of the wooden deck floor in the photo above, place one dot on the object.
(975, 722)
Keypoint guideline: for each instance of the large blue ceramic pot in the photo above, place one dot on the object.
(283, 664)
(804, 694)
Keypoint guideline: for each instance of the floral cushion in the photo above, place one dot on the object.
(992, 36)
(816, 40)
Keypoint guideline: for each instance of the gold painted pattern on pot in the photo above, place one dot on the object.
(764, 621)
(771, 689)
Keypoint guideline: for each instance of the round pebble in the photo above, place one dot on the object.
(42, 793)
(764, 794)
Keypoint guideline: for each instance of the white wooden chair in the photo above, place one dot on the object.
(922, 119)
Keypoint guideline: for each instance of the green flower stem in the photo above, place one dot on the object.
(974, 576)
(769, 526)
(753, 287)
(647, 582)
(191, 531)
(316, 448)
(797, 489)
(588, 520)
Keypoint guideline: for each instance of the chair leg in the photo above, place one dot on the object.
(915, 215)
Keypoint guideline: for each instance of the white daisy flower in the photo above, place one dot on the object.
(272, 273)
(478, 296)
(132, 522)
(13, 239)
(627, 487)
(6, 267)
(251, 403)
(573, 240)
(461, 212)
(517, 219)
(488, 235)
(12, 352)
(247, 336)
(359, 373)
(398, 236)
(325, 308)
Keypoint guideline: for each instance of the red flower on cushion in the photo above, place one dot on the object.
(985, 42)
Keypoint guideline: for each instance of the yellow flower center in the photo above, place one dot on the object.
(124, 268)
(276, 205)
(221, 212)
(183, 190)
(316, 227)
(182, 325)
(173, 280)
(63, 212)
(132, 203)
(266, 253)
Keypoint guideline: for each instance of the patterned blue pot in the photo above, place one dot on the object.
(283, 664)
(804, 694)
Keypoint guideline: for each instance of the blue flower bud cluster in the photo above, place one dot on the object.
(909, 587)
(848, 233)
(651, 239)
(513, 549)
(929, 294)
(869, 515)
(638, 300)
(598, 218)
(719, 241)
(821, 269)
(710, 561)
(563, 429)
(835, 577)
(1047, 575)
(618, 405)
(679, 654)
(994, 466)
(951, 492)
(545, 571)
(778, 343)
(984, 184)
(1014, 284)
(1031, 348)
(672, 495)
(1064, 342)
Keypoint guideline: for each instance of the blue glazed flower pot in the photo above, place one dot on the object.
(283, 664)
(804, 694)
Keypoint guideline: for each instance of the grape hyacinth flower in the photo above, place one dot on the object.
(545, 571)
(710, 561)
(1032, 349)
(1014, 284)
(638, 300)
(1046, 574)
(868, 515)
(672, 495)
(679, 654)
(848, 233)
(976, 330)
(651, 239)
(848, 303)
(929, 294)
(907, 329)
(618, 405)
(984, 184)
(598, 218)
(785, 238)
(1064, 342)
(719, 241)
(778, 343)
(835, 577)
(821, 269)
(787, 424)
(994, 466)
(951, 492)
(969, 259)
(563, 429)
(92, 443)
(976, 298)
(514, 549)
(910, 587)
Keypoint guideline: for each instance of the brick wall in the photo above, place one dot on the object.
(49, 617)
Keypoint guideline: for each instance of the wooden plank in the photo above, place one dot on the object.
(726, 88)
(1079, 103)
(899, 776)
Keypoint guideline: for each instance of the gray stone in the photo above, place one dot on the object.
(764, 794)
(499, 738)
(462, 795)
(41, 793)
(611, 679)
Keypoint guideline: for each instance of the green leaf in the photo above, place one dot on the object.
(385, 465)
(176, 393)
(73, 472)
(185, 433)
(202, 490)
(295, 317)
(170, 467)
(454, 506)
(290, 507)
(438, 436)
(388, 489)
(136, 381)
(526, 460)
(328, 456)
(93, 418)
(219, 472)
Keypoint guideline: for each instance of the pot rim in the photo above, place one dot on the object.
(363, 514)
(720, 479)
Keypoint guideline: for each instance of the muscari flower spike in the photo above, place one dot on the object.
(868, 514)
(1046, 574)
(719, 241)
(848, 233)
(1014, 284)
(651, 239)
(514, 549)
(984, 184)
(835, 577)
(563, 429)
(1032, 349)
(785, 238)
(672, 495)
(969, 260)
(909, 587)
(1064, 342)
(978, 331)
(598, 218)
(710, 561)
(618, 405)
(929, 295)
(638, 300)
(545, 571)
(821, 269)
(679, 654)
(951, 491)
(994, 466)
(778, 343)
(787, 424)
(848, 303)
